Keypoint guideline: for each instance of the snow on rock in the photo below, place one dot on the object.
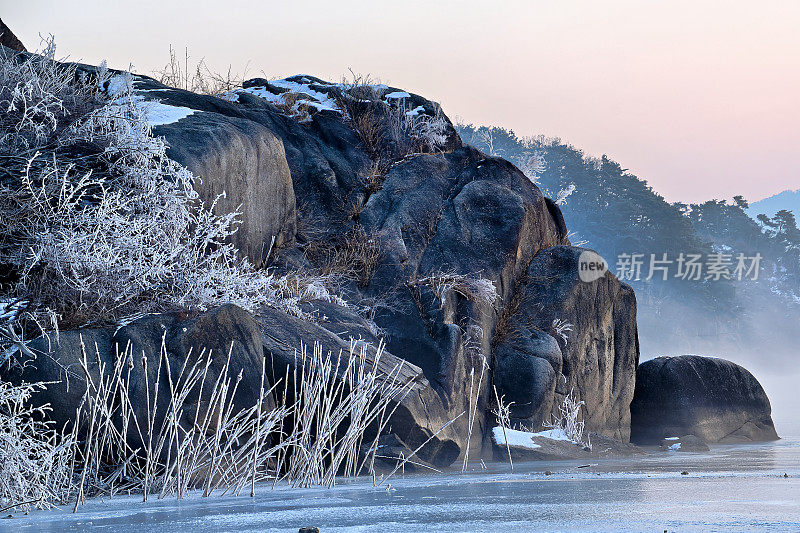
(261, 92)
(120, 89)
(322, 101)
(396, 94)
(527, 439)
(158, 114)
(553, 434)
(521, 439)
(319, 100)
(320, 94)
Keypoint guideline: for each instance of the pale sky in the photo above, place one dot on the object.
(700, 98)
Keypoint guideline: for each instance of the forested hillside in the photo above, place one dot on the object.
(715, 306)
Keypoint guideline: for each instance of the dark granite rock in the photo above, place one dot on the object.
(714, 399)
(9, 40)
(58, 360)
(597, 361)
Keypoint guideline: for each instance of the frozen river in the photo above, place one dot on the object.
(731, 488)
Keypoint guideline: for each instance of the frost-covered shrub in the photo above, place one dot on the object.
(473, 287)
(532, 164)
(560, 329)
(426, 133)
(564, 193)
(38, 99)
(569, 421)
(35, 467)
(383, 123)
(127, 235)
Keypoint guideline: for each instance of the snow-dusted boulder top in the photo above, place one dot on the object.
(274, 143)
(239, 162)
(715, 399)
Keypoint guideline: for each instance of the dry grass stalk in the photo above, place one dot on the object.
(473, 287)
(189, 434)
(503, 414)
(569, 421)
(197, 78)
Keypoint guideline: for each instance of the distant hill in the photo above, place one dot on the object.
(616, 213)
(789, 200)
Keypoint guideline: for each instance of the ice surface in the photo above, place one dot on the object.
(731, 488)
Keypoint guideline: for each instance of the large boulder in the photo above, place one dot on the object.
(568, 336)
(445, 222)
(714, 399)
(527, 365)
(420, 414)
(227, 335)
(62, 361)
(239, 163)
(334, 135)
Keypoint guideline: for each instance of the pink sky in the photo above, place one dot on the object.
(701, 99)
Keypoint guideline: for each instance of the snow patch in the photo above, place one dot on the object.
(553, 434)
(516, 438)
(396, 94)
(526, 439)
(159, 114)
(316, 99)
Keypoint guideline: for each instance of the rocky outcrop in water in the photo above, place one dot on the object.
(453, 257)
(594, 360)
(714, 399)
